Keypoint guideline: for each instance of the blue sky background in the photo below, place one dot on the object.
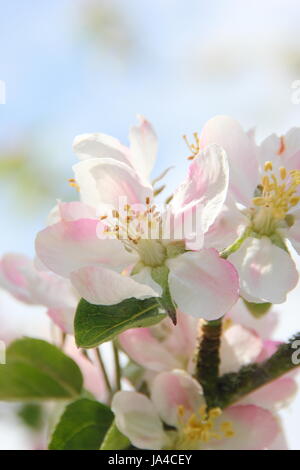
(177, 62)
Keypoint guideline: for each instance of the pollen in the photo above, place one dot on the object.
(194, 147)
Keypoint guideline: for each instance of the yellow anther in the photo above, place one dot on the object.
(73, 184)
(294, 201)
(268, 166)
(283, 172)
(227, 429)
(259, 201)
(214, 412)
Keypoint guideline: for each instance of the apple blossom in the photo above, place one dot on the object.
(95, 252)
(177, 401)
(263, 200)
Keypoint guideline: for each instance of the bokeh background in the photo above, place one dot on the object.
(75, 66)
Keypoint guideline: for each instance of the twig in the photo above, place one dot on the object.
(103, 370)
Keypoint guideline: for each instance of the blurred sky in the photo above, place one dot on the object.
(75, 66)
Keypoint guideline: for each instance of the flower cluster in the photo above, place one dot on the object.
(160, 281)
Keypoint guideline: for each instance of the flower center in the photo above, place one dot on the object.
(139, 229)
(200, 428)
(274, 198)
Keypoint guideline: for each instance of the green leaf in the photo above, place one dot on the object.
(37, 370)
(114, 439)
(95, 324)
(82, 426)
(257, 310)
(32, 415)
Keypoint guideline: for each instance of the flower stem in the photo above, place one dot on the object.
(236, 244)
(117, 366)
(234, 386)
(208, 360)
(103, 370)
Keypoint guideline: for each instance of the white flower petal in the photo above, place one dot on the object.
(67, 246)
(109, 183)
(239, 347)
(202, 284)
(99, 145)
(137, 419)
(143, 147)
(266, 271)
(103, 286)
(205, 186)
(241, 152)
(173, 389)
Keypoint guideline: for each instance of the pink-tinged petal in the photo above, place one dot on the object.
(63, 318)
(241, 152)
(108, 183)
(67, 246)
(101, 286)
(173, 389)
(279, 442)
(12, 276)
(205, 186)
(181, 340)
(239, 347)
(228, 226)
(267, 273)
(143, 348)
(51, 290)
(282, 150)
(274, 395)
(75, 210)
(20, 277)
(143, 147)
(68, 211)
(137, 419)
(202, 284)
(92, 375)
(254, 428)
(269, 348)
(98, 145)
(294, 232)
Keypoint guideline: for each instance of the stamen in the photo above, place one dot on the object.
(278, 195)
(72, 182)
(268, 166)
(283, 172)
(201, 426)
(195, 148)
